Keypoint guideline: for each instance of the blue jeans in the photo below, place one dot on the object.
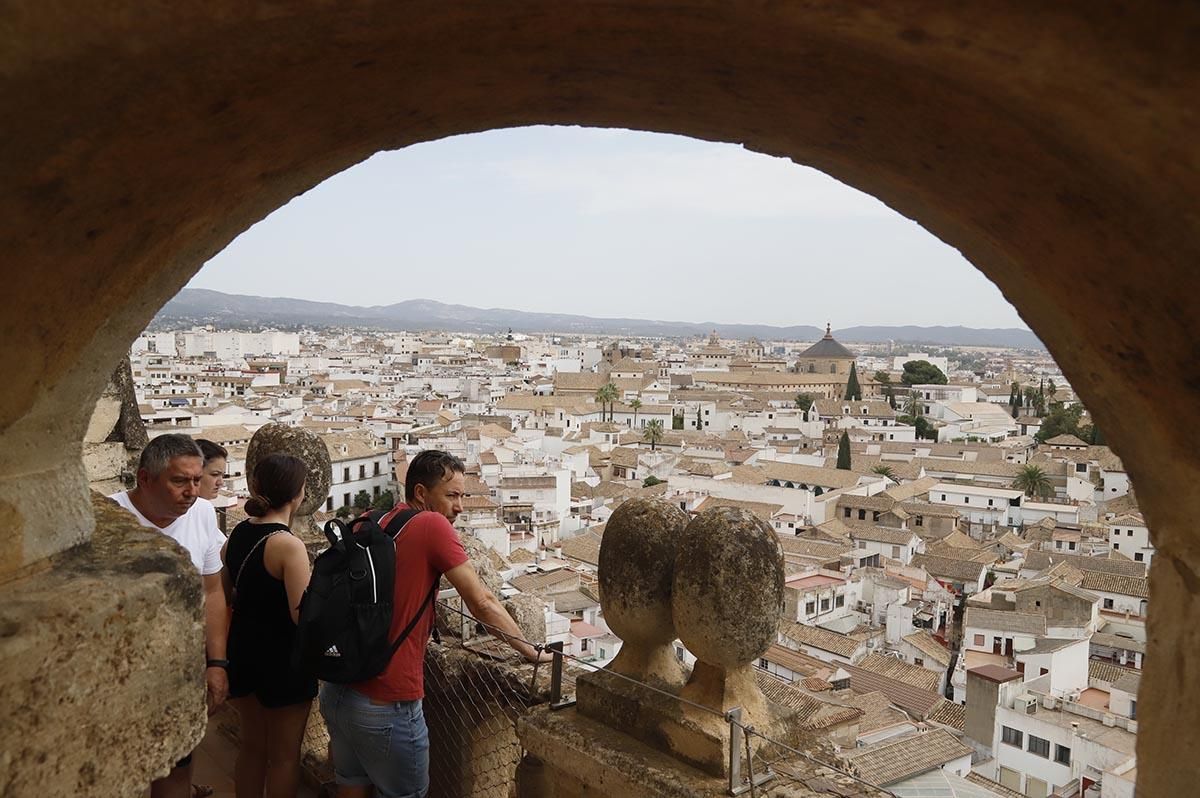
(385, 745)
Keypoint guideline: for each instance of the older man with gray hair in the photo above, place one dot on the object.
(166, 498)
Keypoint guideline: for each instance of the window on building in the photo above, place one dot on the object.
(918, 661)
(824, 605)
(1117, 546)
(810, 607)
(1038, 746)
(1062, 754)
(1139, 556)
(762, 663)
(990, 504)
(376, 490)
(943, 497)
(345, 499)
(875, 516)
(895, 552)
(362, 471)
(862, 515)
(1108, 604)
(346, 474)
(1011, 736)
(966, 499)
(1129, 533)
(329, 505)
(979, 640)
(920, 521)
(376, 468)
(847, 512)
(840, 601)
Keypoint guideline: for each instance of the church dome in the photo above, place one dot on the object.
(827, 347)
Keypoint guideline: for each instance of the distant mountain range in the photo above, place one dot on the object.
(202, 306)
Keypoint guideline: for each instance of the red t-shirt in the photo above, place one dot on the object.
(427, 548)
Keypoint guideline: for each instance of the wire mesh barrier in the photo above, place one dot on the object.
(477, 687)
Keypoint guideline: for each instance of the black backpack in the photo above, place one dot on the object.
(346, 613)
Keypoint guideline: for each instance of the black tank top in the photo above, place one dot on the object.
(261, 629)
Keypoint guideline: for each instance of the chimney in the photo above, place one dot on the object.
(558, 552)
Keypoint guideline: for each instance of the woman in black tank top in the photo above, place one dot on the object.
(266, 572)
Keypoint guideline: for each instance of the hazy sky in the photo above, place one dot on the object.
(607, 223)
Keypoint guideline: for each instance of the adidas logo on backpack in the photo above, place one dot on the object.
(344, 631)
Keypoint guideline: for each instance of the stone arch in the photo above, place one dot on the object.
(1053, 147)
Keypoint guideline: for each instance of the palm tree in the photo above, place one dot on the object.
(914, 406)
(636, 404)
(1033, 481)
(607, 395)
(653, 433)
(884, 471)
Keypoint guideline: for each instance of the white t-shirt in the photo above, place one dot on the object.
(196, 530)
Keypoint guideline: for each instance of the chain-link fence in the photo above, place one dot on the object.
(476, 688)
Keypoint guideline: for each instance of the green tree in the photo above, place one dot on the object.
(636, 405)
(1032, 480)
(884, 471)
(1051, 389)
(924, 429)
(699, 421)
(345, 511)
(922, 372)
(606, 395)
(362, 501)
(1062, 421)
(804, 401)
(651, 481)
(384, 501)
(888, 390)
(1036, 400)
(853, 389)
(843, 458)
(653, 434)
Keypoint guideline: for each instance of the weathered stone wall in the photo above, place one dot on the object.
(101, 665)
(1052, 144)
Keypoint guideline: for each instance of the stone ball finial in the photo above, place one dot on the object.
(636, 570)
(282, 439)
(728, 587)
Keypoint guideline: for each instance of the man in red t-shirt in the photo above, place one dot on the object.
(376, 728)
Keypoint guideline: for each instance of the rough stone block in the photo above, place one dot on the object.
(101, 665)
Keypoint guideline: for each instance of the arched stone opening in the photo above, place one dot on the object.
(1053, 146)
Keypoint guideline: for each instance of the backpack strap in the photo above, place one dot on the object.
(393, 529)
(237, 579)
(426, 604)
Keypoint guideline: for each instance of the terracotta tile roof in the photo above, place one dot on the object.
(559, 581)
(950, 714)
(1038, 560)
(880, 534)
(1116, 641)
(812, 713)
(928, 645)
(945, 568)
(823, 639)
(911, 699)
(878, 709)
(585, 546)
(1105, 671)
(901, 671)
(1004, 621)
(762, 510)
(994, 786)
(899, 758)
(1138, 586)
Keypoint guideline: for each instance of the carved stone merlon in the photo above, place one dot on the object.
(282, 439)
(716, 584)
(637, 567)
(726, 600)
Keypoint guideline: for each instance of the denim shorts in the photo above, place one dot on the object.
(385, 745)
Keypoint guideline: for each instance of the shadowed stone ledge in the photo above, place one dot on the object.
(101, 665)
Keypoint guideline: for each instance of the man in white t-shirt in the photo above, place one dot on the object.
(166, 499)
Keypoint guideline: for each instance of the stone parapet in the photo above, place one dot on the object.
(101, 664)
